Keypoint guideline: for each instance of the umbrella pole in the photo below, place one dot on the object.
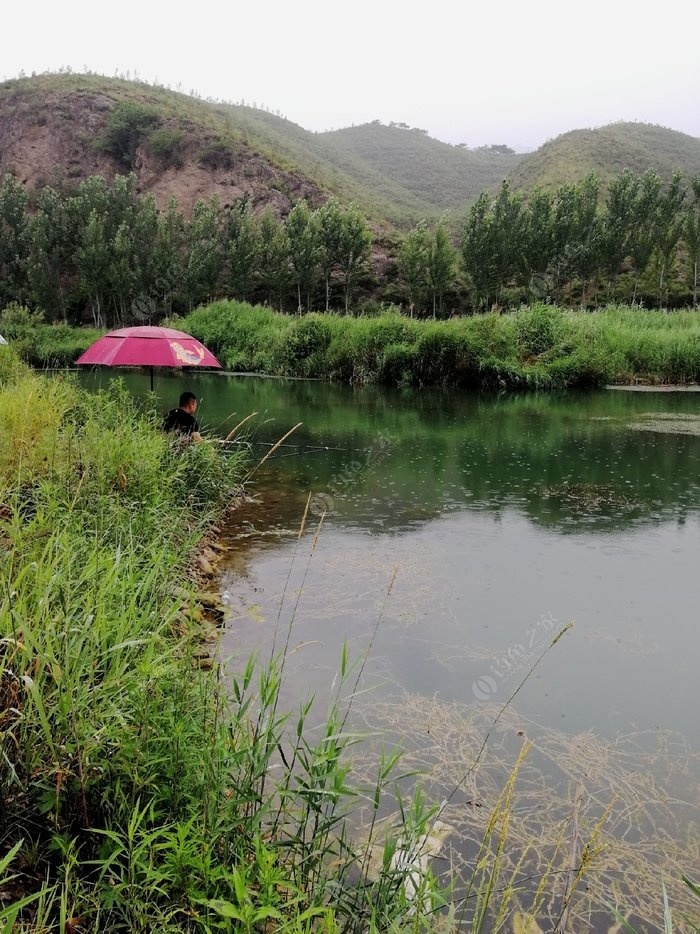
(151, 368)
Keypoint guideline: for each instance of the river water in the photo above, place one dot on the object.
(450, 537)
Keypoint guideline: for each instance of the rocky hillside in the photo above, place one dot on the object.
(62, 129)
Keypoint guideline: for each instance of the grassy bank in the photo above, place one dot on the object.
(135, 788)
(537, 347)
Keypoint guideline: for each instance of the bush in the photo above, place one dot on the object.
(11, 367)
(216, 155)
(398, 365)
(166, 145)
(127, 126)
(539, 329)
(307, 338)
(18, 322)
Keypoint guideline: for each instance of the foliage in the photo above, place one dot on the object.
(127, 127)
(167, 146)
(216, 155)
(106, 251)
(540, 346)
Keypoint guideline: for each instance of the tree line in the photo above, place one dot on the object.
(571, 246)
(106, 253)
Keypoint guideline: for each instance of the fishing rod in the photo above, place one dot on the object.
(296, 449)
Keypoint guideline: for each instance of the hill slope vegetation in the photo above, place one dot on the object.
(607, 151)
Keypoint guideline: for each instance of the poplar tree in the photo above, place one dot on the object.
(302, 233)
(441, 258)
(51, 257)
(273, 268)
(205, 257)
(413, 265)
(241, 248)
(691, 236)
(646, 205)
(669, 227)
(537, 249)
(353, 249)
(14, 240)
(329, 219)
(618, 223)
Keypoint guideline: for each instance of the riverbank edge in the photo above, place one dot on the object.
(535, 347)
(136, 788)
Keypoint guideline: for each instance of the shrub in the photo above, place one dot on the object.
(18, 322)
(539, 329)
(398, 365)
(308, 337)
(127, 126)
(166, 145)
(216, 155)
(11, 367)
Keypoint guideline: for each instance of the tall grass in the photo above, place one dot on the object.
(135, 787)
(539, 347)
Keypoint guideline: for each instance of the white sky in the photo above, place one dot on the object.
(497, 72)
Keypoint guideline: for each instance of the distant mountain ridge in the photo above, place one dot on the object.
(53, 129)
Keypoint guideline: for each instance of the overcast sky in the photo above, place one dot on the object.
(500, 72)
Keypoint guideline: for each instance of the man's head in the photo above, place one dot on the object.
(188, 402)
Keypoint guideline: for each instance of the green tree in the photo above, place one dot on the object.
(643, 239)
(354, 249)
(442, 258)
(93, 257)
(204, 262)
(477, 250)
(14, 241)
(274, 269)
(618, 223)
(241, 247)
(144, 232)
(413, 265)
(691, 236)
(126, 127)
(122, 271)
(303, 236)
(537, 242)
(330, 234)
(585, 234)
(492, 243)
(52, 250)
(669, 227)
(168, 256)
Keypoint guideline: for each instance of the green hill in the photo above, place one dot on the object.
(53, 129)
(51, 126)
(608, 151)
(440, 175)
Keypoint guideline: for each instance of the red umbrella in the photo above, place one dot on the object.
(148, 346)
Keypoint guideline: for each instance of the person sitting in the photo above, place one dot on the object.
(181, 420)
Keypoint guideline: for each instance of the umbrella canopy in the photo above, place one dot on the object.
(148, 346)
